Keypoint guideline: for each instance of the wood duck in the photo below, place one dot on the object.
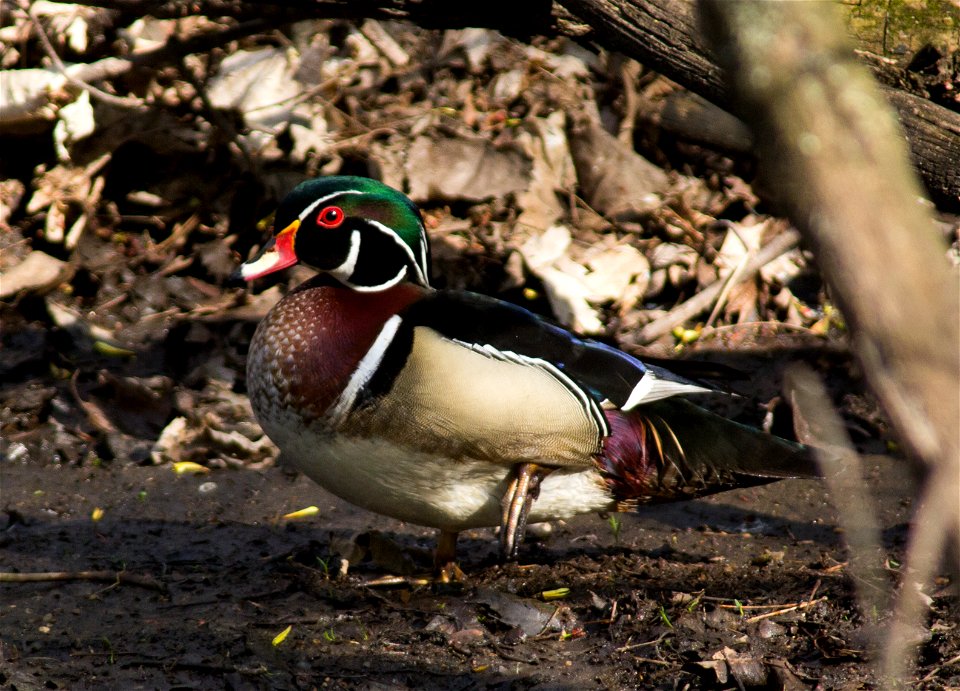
(456, 410)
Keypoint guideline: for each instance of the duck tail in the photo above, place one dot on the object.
(673, 450)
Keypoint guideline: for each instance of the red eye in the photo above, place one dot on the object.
(330, 217)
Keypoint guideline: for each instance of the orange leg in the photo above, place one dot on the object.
(445, 567)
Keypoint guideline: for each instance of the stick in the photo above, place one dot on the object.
(785, 610)
(68, 75)
(853, 195)
(118, 577)
(700, 302)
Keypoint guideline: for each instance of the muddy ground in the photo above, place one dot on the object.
(220, 574)
(186, 581)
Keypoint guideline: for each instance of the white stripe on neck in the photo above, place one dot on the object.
(365, 370)
(382, 286)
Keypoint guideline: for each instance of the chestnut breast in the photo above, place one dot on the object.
(309, 344)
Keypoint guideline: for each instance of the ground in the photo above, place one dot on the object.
(196, 576)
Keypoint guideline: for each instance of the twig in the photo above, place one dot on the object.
(95, 414)
(68, 75)
(830, 570)
(629, 72)
(733, 279)
(933, 525)
(713, 330)
(634, 646)
(777, 606)
(385, 43)
(802, 603)
(80, 75)
(511, 657)
(781, 244)
(936, 670)
(543, 630)
(785, 610)
(651, 661)
(116, 577)
(219, 120)
(903, 322)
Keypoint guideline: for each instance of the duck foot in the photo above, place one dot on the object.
(522, 491)
(445, 569)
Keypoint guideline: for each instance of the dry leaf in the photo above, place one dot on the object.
(741, 241)
(38, 272)
(75, 121)
(447, 168)
(475, 44)
(608, 275)
(614, 179)
(147, 33)
(545, 142)
(619, 273)
(66, 20)
(260, 84)
(25, 101)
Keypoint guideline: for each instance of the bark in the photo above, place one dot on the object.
(694, 119)
(832, 146)
(934, 136)
(663, 35)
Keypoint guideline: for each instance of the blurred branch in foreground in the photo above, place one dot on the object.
(837, 157)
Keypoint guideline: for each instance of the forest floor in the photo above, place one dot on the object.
(146, 539)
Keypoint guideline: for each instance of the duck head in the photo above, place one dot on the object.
(367, 235)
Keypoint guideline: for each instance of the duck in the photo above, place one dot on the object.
(456, 410)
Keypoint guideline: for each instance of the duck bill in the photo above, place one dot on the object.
(276, 254)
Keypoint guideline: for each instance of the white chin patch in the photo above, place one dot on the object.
(382, 286)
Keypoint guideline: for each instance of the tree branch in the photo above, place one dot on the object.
(838, 160)
(663, 35)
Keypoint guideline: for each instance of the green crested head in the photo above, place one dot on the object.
(367, 235)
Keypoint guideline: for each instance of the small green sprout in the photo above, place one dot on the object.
(325, 566)
(694, 602)
(616, 523)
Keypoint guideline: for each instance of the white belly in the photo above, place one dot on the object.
(430, 490)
